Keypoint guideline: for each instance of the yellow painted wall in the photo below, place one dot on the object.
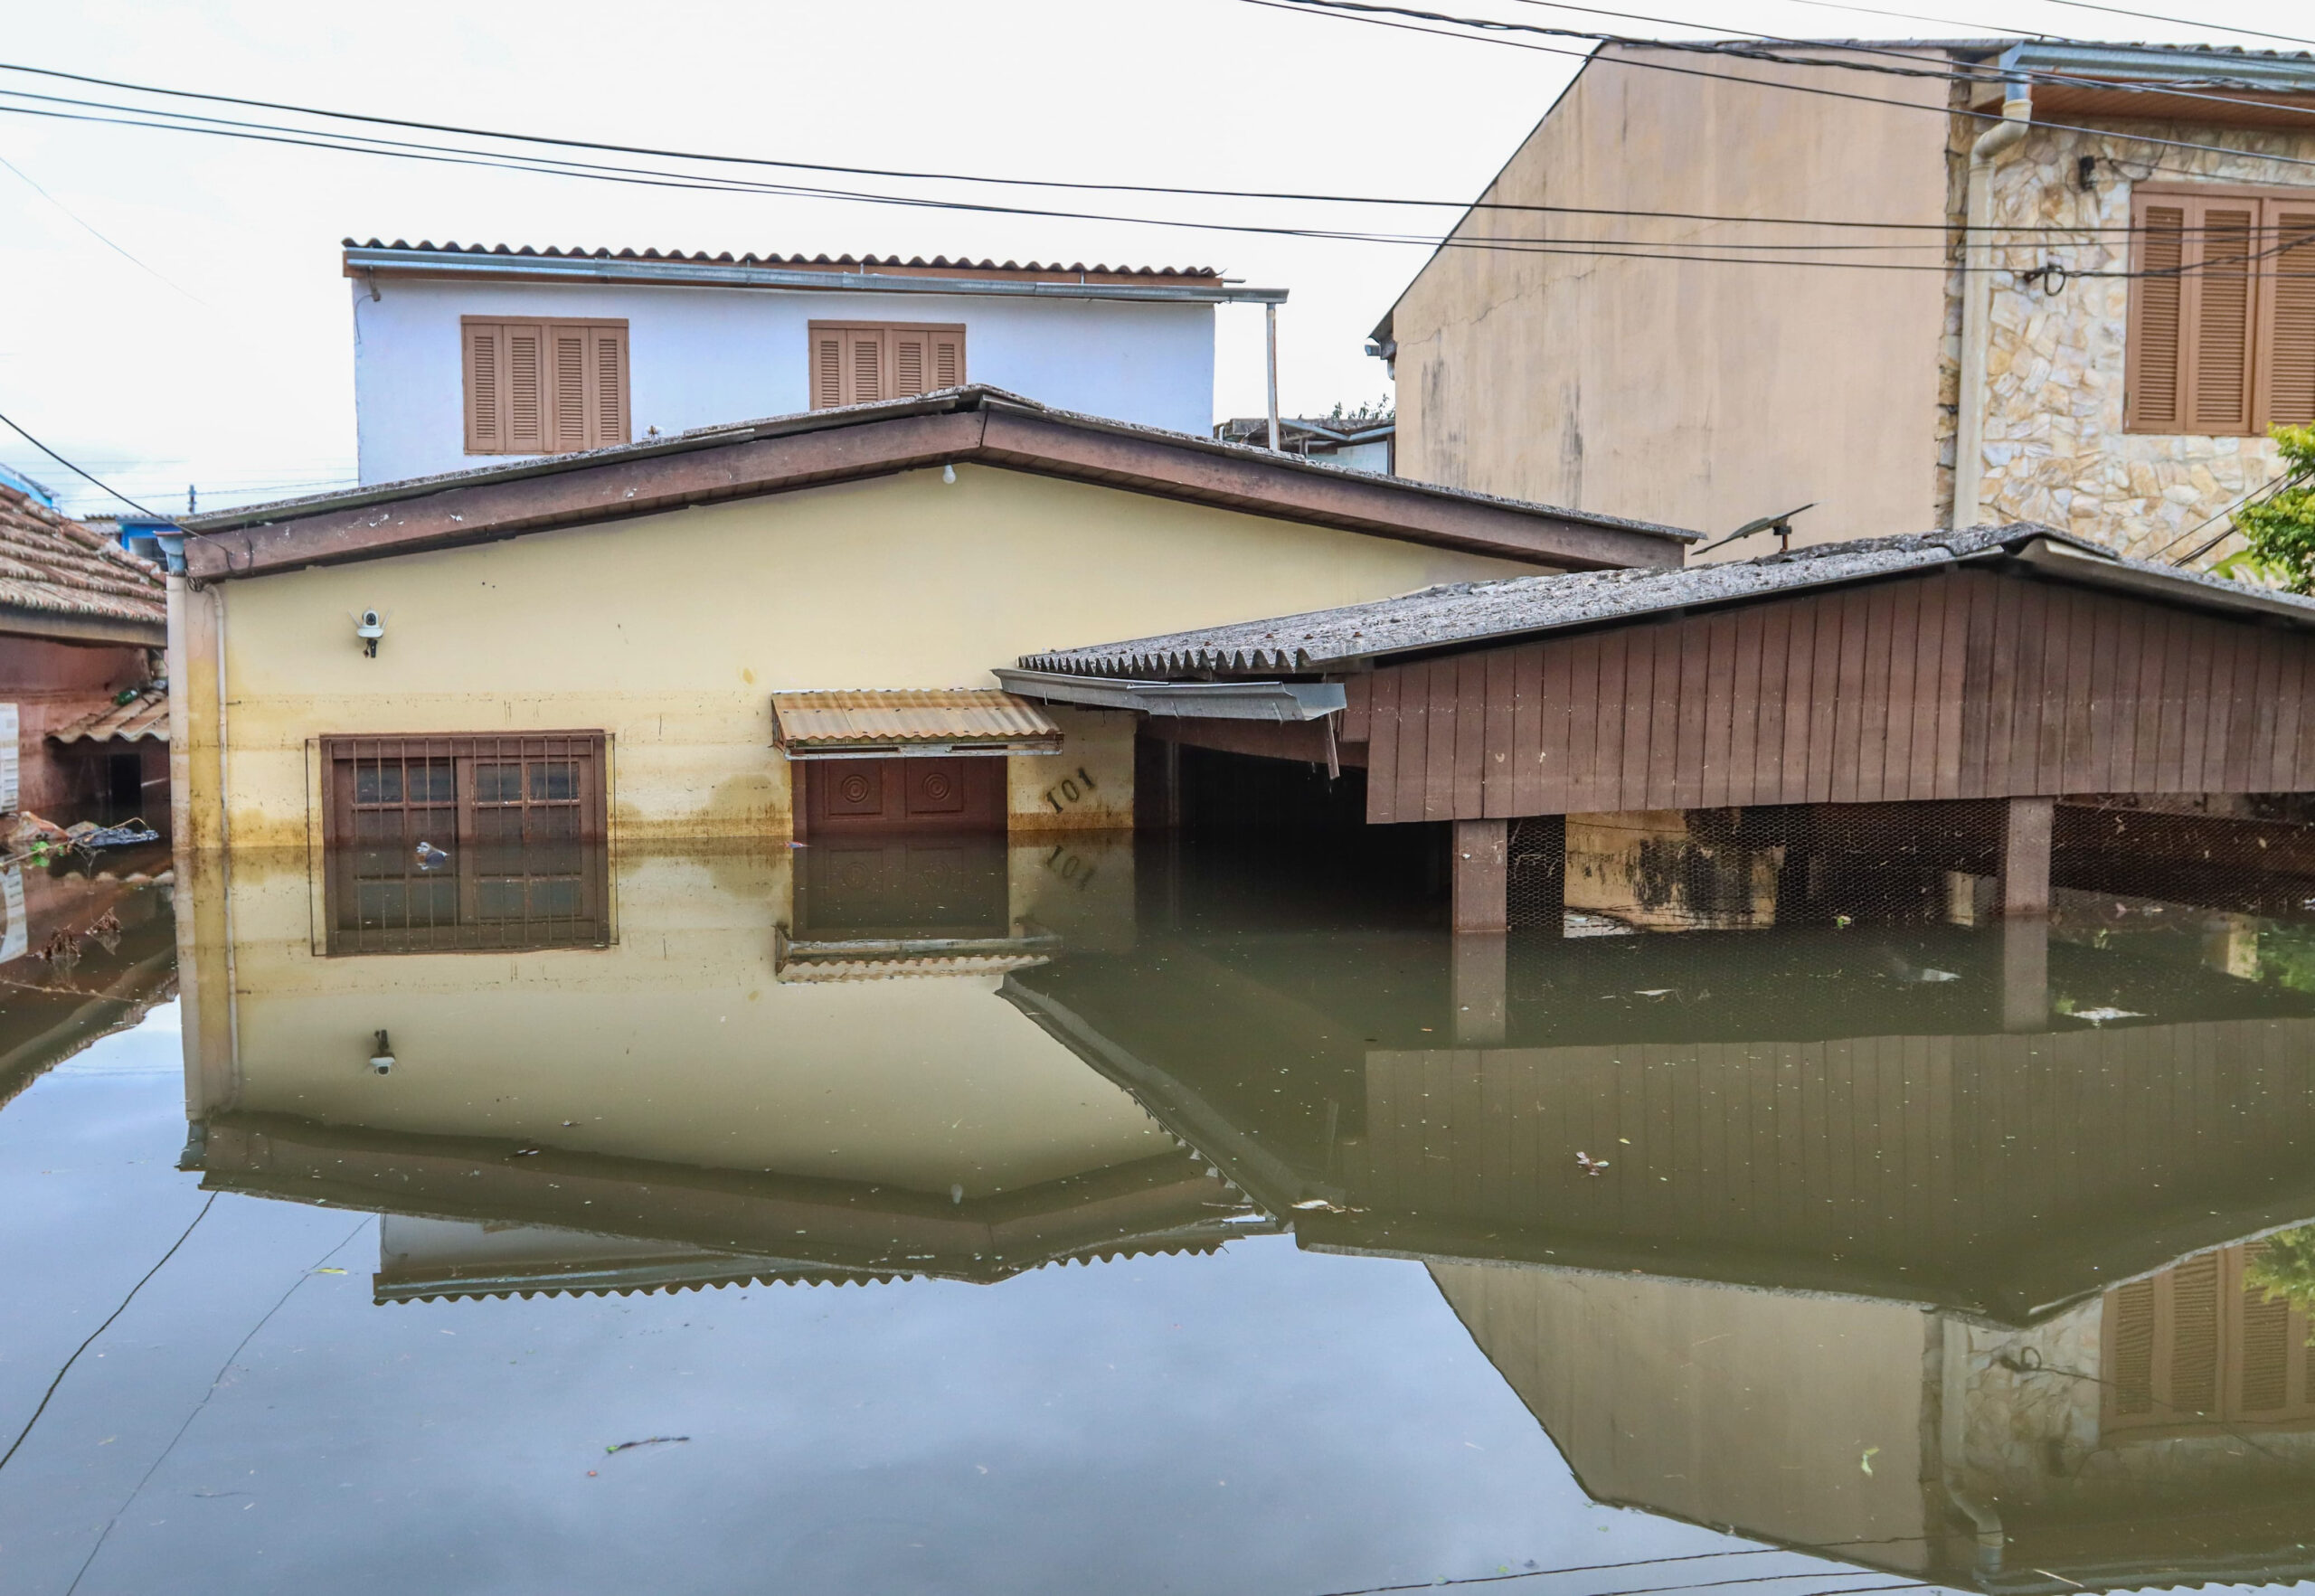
(678, 1045)
(1696, 394)
(671, 631)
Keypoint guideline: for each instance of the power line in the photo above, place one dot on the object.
(1915, 16)
(2182, 22)
(500, 161)
(1956, 72)
(91, 229)
(713, 158)
(1487, 28)
(76, 471)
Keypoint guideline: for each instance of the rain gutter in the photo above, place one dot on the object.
(2276, 74)
(1215, 701)
(371, 265)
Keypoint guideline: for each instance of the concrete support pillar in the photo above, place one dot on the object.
(2025, 855)
(1480, 977)
(2025, 973)
(1478, 874)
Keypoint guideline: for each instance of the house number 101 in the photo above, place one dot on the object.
(1069, 790)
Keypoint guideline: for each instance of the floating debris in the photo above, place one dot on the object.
(2098, 1016)
(654, 1441)
(1588, 1164)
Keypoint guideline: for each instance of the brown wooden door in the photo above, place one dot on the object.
(848, 797)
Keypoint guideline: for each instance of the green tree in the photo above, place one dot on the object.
(2284, 1266)
(2280, 527)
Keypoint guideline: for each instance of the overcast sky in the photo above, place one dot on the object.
(221, 353)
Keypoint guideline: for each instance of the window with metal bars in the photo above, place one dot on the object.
(439, 844)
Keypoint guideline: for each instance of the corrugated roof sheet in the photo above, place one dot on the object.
(1465, 613)
(137, 721)
(807, 262)
(50, 561)
(906, 718)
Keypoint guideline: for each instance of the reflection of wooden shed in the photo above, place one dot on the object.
(2014, 663)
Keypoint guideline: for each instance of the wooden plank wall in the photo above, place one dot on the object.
(1950, 685)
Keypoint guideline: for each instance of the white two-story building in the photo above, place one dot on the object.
(468, 351)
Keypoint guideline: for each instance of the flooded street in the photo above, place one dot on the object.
(943, 1217)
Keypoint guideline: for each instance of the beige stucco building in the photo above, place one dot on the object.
(1716, 284)
(616, 624)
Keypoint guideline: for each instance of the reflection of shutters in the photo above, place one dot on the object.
(2287, 330)
(536, 388)
(2130, 1349)
(2200, 1348)
(2194, 1338)
(2157, 323)
(856, 363)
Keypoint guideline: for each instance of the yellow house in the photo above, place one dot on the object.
(749, 631)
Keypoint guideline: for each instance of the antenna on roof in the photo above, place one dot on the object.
(1780, 524)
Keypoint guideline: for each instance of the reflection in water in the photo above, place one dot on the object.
(1960, 1251)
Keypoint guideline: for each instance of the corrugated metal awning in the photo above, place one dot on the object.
(140, 719)
(913, 721)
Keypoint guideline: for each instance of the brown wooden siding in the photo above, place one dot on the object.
(1956, 684)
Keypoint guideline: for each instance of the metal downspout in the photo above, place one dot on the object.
(1977, 294)
(1270, 321)
(1953, 1416)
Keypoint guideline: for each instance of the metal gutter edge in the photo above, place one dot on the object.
(1213, 701)
(2059, 560)
(389, 263)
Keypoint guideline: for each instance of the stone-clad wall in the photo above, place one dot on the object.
(2056, 451)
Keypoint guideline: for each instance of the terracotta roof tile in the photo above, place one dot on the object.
(50, 561)
(134, 721)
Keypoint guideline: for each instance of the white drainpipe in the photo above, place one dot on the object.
(1977, 301)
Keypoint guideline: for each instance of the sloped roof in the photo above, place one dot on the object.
(1466, 614)
(52, 564)
(143, 717)
(938, 263)
(974, 424)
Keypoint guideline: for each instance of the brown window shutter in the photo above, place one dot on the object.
(2287, 314)
(2157, 324)
(948, 359)
(827, 369)
(2224, 311)
(526, 389)
(484, 362)
(567, 390)
(864, 365)
(910, 363)
(2265, 1380)
(607, 374)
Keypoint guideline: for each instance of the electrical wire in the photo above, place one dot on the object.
(91, 229)
(101, 1329)
(1915, 16)
(2182, 22)
(713, 158)
(69, 466)
(402, 149)
(1488, 27)
(1971, 72)
(200, 1407)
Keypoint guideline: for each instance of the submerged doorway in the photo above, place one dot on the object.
(860, 797)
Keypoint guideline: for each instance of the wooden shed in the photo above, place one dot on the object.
(2014, 664)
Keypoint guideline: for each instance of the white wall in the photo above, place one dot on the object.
(699, 357)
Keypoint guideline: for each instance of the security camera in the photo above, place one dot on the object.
(370, 626)
(382, 1060)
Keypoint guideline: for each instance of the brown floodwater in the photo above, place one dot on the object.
(1162, 1216)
